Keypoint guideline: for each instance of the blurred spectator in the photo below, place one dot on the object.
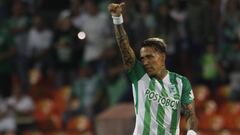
(214, 20)
(165, 24)
(73, 109)
(74, 11)
(230, 20)
(144, 21)
(116, 82)
(2, 10)
(22, 106)
(155, 3)
(211, 71)
(178, 39)
(235, 56)
(7, 120)
(199, 29)
(230, 25)
(235, 72)
(95, 24)
(166, 27)
(235, 86)
(88, 88)
(179, 14)
(39, 42)
(64, 63)
(145, 15)
(7, 52)
(17, 24)
(67, 50)
(32, 6)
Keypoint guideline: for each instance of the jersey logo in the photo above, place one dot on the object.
(164, 101)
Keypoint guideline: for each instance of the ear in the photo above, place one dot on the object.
(163, 57)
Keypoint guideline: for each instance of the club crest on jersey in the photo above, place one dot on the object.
(164, 101)
(172, 89)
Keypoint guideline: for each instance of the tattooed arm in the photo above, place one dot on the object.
(189, 113)
(127, 52)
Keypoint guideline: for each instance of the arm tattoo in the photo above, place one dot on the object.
(190, 115)
(127, 52)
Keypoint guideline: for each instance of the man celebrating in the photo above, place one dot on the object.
(158, 93)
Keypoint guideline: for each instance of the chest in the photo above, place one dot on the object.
(164, 88)
(163, 93)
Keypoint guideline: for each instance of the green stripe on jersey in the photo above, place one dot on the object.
(163, 91)
(173, 80)
(174, 121)
(136, 92)
(147, 115)
(136, 72)
(161, 112)
(187, 95)
(160, 120)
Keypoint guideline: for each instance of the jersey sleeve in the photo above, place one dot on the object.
(136, 72)
(187, 93)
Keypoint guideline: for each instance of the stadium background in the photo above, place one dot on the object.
(53, 83)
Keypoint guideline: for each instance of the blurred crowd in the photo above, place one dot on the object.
(50, 74)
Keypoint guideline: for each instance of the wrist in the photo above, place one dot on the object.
(191, 132)
(116, 14)
(117, 19)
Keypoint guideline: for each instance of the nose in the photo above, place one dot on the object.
(145, 62)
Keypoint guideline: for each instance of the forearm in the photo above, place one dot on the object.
(191, 118)
(192, 122)
(127, 52)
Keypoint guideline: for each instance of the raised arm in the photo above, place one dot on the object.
(190, 114)
(127, 52)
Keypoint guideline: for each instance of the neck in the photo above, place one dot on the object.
(162, 74)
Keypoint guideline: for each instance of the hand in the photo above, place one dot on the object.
(116, 9)
(191, 132)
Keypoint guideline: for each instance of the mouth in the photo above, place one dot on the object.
(149, 69)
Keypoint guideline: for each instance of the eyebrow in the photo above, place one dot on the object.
(141, 57)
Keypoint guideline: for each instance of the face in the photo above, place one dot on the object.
(152, 60)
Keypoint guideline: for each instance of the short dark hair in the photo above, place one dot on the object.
(157, 43)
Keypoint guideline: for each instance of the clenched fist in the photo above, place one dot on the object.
(116, 9)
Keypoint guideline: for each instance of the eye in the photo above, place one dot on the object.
(149, 56)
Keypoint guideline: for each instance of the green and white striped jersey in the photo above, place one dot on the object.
(158, 102)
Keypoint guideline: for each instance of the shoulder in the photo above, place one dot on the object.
(175, 77)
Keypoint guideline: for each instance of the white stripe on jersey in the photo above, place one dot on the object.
(168, 110)
(134, 97)
(154, 109)
(180, 85)
(143, 84)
